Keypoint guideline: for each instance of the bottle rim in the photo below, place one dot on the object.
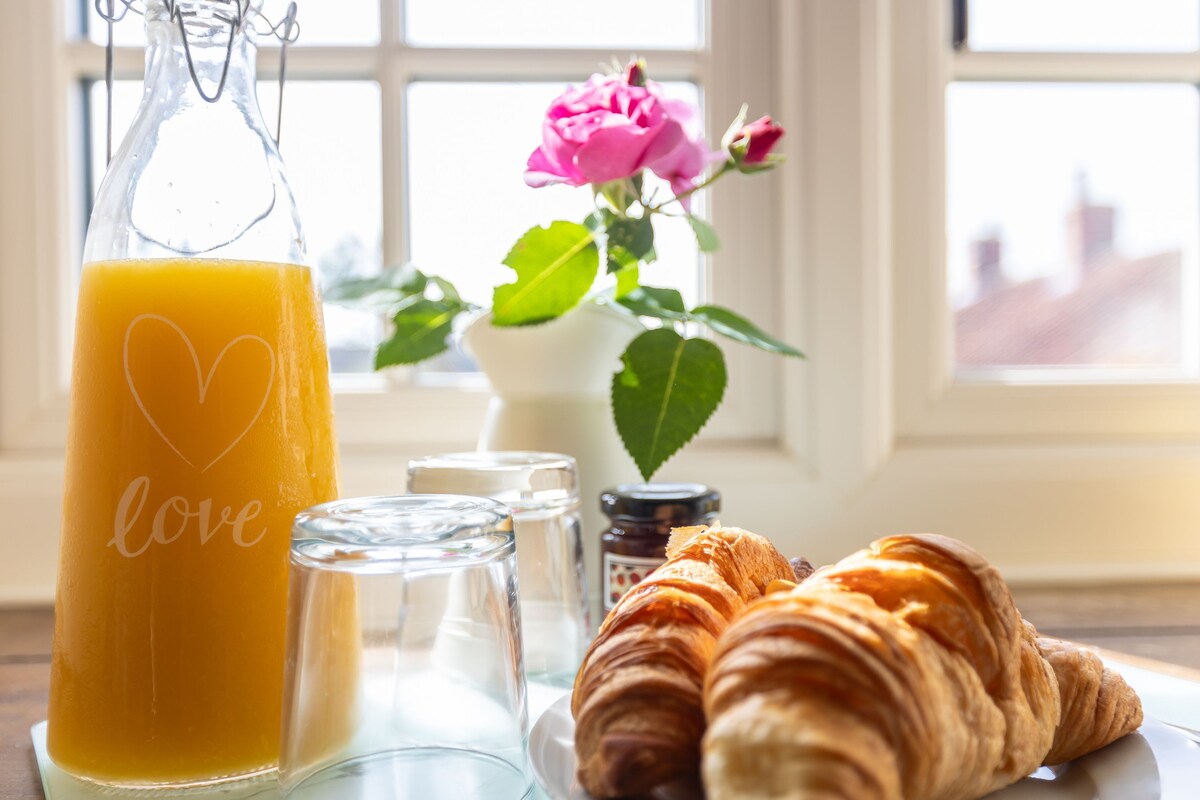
(206, 18)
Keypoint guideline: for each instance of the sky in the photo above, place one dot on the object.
(1085, 25)
(1017, 152)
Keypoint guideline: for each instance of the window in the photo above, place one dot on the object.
(1073, 207)
(1052, 267)
(1041, 169)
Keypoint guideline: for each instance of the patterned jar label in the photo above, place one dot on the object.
(622, 573)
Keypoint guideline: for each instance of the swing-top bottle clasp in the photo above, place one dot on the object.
(236, 14)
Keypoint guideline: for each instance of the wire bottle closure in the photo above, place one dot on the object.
(231, 12)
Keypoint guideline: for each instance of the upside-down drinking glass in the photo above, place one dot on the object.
(404, 673)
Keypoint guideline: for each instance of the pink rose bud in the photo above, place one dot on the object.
(760, 136)
(635, 73)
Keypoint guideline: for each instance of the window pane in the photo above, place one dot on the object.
(322, 22)
(622, 24)
(1072, 227)
(468, 202)
(1164, 26)
(332, 145)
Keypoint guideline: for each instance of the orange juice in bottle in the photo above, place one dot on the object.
(201, 423)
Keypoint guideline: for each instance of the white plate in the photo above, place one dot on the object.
(1157, 762)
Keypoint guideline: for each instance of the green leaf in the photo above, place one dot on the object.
(738, 328)
(635, 234)
(446, 288)
(706, 236)
(555, 267)
(773, 160)
(667, 390)
(627, 281)
(620, 194)
(421, 329)
(618, 258)
(390, 287)
(652, 301)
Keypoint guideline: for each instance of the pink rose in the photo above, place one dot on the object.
(760, 135)
(609, 129)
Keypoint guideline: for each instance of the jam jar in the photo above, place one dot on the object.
(642, 516)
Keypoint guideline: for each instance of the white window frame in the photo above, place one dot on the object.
(1067, 481)
(932, 405)
(846, 262)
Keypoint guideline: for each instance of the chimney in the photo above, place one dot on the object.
(985, 263)
(1090, 229)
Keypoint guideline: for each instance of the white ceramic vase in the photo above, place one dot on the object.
(550, 393)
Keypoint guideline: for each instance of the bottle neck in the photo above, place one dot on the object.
(198, 174)
(196, 58)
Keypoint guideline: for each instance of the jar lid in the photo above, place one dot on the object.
(660, 501)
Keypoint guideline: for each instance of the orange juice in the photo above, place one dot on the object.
(201, 424)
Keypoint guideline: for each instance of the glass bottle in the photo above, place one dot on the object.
(642, 516)
(201, 423)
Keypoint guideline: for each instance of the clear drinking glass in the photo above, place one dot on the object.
(404, 674)
(542, 490)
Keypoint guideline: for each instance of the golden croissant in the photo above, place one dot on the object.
(904, 672)
(637, 701)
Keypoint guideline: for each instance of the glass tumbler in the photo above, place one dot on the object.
(542, 490)
(403, 674)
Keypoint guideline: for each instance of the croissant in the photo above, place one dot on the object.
(902, 672)
(1098, 707)
(637, 699)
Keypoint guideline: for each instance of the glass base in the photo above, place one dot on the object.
(58, 784)
(418, 772)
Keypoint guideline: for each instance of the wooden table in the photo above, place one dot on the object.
(1157, 624)
(24, 683)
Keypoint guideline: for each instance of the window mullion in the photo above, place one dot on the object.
(1082, 67)
(86, 60)
(393, 80)
(535, 65)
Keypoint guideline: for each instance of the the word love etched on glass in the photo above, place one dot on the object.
(161, 362)
(172, 519)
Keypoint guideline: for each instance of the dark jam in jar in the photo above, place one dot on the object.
(642, 516)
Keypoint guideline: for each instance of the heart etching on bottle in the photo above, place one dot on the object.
(200, 430)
